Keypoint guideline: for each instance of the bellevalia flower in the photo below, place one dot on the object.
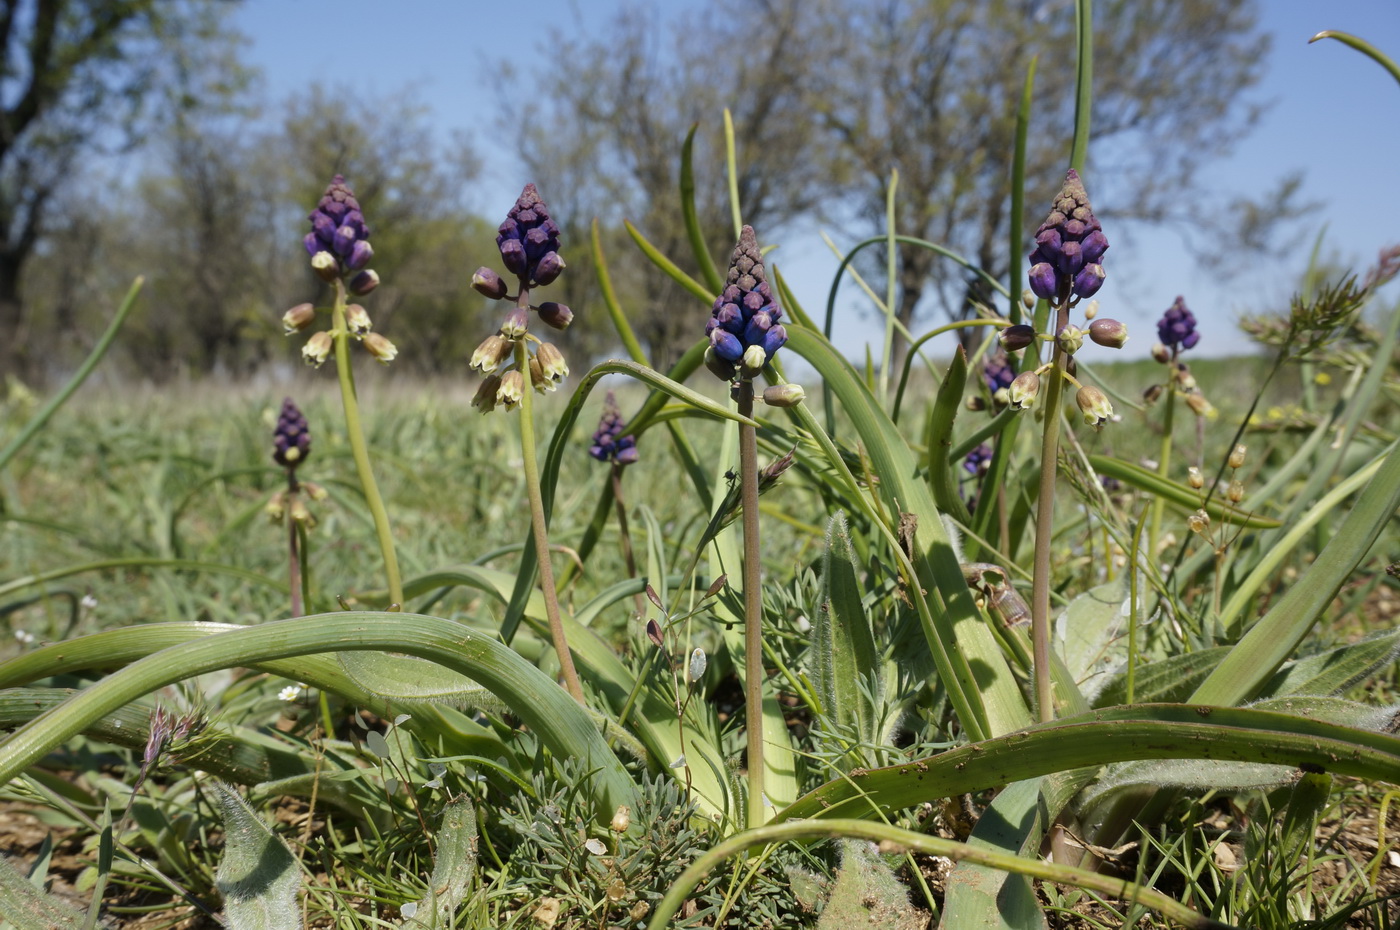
(1069, 247)
(291, 440)
(608, 445)
(743, 328)
(1177, 328)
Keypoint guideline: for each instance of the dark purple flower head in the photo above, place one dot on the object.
(338, 228)
(529, 240)
(1177, 328)
(978, 460)
(291, 440)
(745, 315)
(1069, 247)
(608, 446)
(998, 372)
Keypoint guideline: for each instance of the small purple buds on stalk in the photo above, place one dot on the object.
(1177, 327)
(743, 328)
(291, 440)
(1015, 338)
(556, 315)
(529, 240)
(1069, 247)
(608, 445)
(489, 284)
(1093, 403)
(1108, 333)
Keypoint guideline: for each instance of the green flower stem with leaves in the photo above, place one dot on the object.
(1164, 461)
(530, 456)
(753, 604)
(359, 448)
(1044, 520)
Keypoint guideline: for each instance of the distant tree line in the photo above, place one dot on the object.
(828, 96)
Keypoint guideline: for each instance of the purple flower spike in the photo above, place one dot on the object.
(291, 441)
(998, 372)
(338, 228)
(745, 314)
(529, 240)
(608, 446)
(1177, 328)
(1069, 247)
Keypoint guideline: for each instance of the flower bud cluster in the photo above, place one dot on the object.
(1176, 330)
(528, 241)
(1069, 247)
(743, 328)
(608, 445)
(291, 440)
(339, 248)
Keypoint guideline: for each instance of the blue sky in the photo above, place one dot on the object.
(1335, 115)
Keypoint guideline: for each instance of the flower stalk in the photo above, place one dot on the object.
(753, 604)
(359, 448)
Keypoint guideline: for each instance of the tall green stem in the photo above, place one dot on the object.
(1164, 462)
(753, 605)
(623, 532)
(359, 448)
(1044, 521)
(530, 456)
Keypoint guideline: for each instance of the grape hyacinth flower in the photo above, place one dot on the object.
(607, 445)
(1069, 247)
(291, 440)
(743, 329)
(1177, 328)
(998, 373)
(528, 241)
(339, 248)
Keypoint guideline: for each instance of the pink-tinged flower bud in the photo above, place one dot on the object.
(325, 266)
(552, 364)
(360, 254)
(485, 399)
(751, 365)
(381, 348)
(298, 318)
(364, 282)
(511, 390)
(1070, 338)
(719, 366)
(1093, 403)
(784, 395)
(557, 315)
(1023, 390)
(1015, 338)
(276, 507)
(493, 350)
(317, 349)
(517, 324)
(1199, 405)
(1108, 333)
(488, 284)
(357, 321)
(1161, 353)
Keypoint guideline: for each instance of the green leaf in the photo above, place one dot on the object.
(1169, 680)
(1090, 634)
(843, 650)
(867, 893)
(1178, 494)
(29, 908)
(941, 418)
(693, 232)
(671, 269)
(454, 867)
(258, 875)
(1275, 637)
(982, 896)
(1335, 670)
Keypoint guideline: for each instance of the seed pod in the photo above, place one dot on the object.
(1236, 459)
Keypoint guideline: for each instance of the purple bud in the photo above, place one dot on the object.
(488, 284)
(773, 340)
(726, 345)
(654, 634)
(360, 254)
(1093, 246)
(1044, 281)
(513, 256)
(1014, 338)
(1071, 258)
(557, 315)
(1088, 281)
(549, 268)
(1109, 333)
(364, 282)
(721, 368)
(291, 439)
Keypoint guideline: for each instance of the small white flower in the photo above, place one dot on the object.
(289, 693)
(24, 636)
(88, 602)
(803, 624)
